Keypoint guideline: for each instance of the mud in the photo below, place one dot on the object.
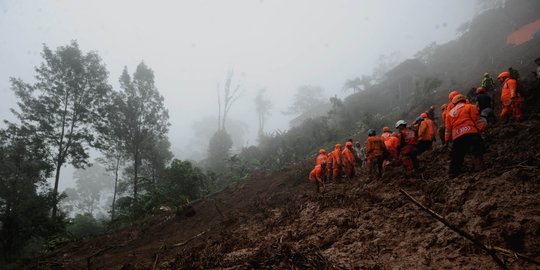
(278, 221)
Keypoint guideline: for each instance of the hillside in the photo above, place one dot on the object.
(277, 221)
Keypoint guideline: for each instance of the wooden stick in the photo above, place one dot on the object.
(187, 241)
(511, 253)
(479, 244)
(155, 261)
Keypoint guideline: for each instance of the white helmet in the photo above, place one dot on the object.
(400, 122)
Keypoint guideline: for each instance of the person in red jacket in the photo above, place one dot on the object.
(317, 175)
(462, 131)
(407, 146)
(337, 165)
(349, 161)
(510, 98)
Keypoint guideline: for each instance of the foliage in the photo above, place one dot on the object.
(90, 183)
(358, 84)
(62, 105)
(85, 225)
(218, 151)
(145, 118)
(24, 196)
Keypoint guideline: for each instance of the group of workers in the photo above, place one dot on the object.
(463, 121)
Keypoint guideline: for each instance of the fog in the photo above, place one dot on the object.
(191, 45)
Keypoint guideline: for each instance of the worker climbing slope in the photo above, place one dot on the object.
(349, 162)
(375, 149)
(461, 130)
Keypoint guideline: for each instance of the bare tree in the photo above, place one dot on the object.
(262, 106)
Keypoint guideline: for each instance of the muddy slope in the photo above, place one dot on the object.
(277, 221)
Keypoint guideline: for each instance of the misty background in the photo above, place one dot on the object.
(191, 45)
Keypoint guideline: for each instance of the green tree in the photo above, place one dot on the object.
(218, 151)
(146, 120)
(90, 184)
(358, 84)
(62, 105)
(84, 225)
(24, 196)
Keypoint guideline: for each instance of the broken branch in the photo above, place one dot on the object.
(464, 234)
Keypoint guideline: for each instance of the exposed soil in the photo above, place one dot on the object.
(278, 221)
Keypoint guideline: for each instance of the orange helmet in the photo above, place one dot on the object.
(322, 151)
(385, 129)
(424, 115)
(458, 98)
(452, 95)
(348, 144)
(503, 75)
(443, 107)
(480, 90)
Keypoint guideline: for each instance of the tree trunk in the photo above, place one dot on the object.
(55, 191)
(115, 187)
(135, 174)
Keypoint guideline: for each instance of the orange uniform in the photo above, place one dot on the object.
(348, 161)
(392, 144)
(374, 147)
(329, 165)
(408, 149)
(336, 162)
(460, 120)
(426, 132)
(510, 99)
(321, 158)
(385, 136)
(317, 175)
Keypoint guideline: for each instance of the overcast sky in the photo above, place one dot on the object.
(190, 45)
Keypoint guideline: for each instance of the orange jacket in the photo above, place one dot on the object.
(336, 157)
(316, 174)
(374, 147)
(426, 132)
(330, 160)
(508, 91)
(461, 120)
(444, 113)
(407, 137)
(348, 157)
(385, 136)
(392, 143)
(321, 158)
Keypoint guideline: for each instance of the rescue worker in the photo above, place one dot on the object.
(442, 127)
(358, 150)
(317, 176)
(391, 144)
(322, 157)
(375, 150)
(431, 113)
(462, 131)
(330, 167)
(352, 147)
(426, 134)
(337, 165)
(484, 103)
(348, 160)
(386, 133)
(510, 99)
(407, 146)
(487, 83)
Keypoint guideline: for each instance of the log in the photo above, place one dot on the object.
(187, 241)
(464, 234)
